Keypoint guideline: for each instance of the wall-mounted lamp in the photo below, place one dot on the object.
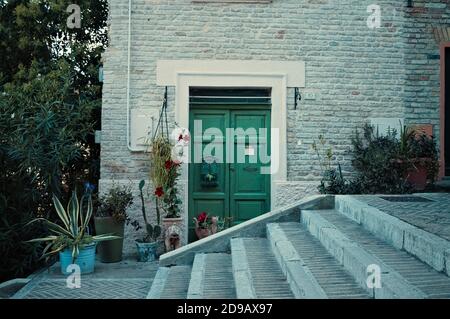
(410, 4)
(298, 97)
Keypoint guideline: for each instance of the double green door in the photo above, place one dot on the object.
(226, 173)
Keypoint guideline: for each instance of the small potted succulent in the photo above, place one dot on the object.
(147, 246)
(71, 239)
(110, 218)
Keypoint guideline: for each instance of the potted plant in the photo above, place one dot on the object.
(205, 225)
(164, 172)
(424, 159)
(147, 246)
(71, 239)
(110, 218)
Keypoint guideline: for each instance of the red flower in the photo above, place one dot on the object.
(186, 138)
(180, 137)
(202, 217)
(159, 191)
(168, 164)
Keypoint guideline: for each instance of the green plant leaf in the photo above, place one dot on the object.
(157, 231)
(43, 239)
(61, 212)
(149, 229)
(54, 227)
(141, 184)
(105, 237)
(73, 210)
(88, 216)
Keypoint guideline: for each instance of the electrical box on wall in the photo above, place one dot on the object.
(142, 123)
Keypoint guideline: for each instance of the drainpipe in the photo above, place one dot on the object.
(129, 80)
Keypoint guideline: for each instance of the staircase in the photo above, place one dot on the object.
(320, 252)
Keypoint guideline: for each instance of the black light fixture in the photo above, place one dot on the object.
(298, 97)
(410, 4)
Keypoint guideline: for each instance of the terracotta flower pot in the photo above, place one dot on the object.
(418, 177)
(202, 232)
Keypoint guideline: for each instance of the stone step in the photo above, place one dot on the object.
(311, 271)
(212, 277)
(429, 248)
(171, 283)
(353, 246)
(256, 271)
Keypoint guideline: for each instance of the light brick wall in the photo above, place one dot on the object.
(355, 72)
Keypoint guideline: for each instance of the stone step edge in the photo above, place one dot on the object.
(429, 248)
(196, 284)
(255, 227)
(302, 282)
(356, 260)
(158, 283)
(243, 281)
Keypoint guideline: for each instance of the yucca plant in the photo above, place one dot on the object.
(73, 232)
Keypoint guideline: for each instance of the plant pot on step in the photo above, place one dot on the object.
(146, 251)
(85, 259)
(110, 251)
(418, 176)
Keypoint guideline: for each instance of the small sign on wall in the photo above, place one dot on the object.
(142, 122)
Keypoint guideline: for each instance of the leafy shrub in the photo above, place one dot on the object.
(115, 203)
(49, 106)
(333, 181)
(44, 150)
(381, 162)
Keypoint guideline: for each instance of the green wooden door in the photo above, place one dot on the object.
(229, 183)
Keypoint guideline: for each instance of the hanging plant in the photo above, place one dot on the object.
(164, 171)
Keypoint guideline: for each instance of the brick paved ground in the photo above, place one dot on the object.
(125, 280)
(432, 216)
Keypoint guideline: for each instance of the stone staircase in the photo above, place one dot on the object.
(310, 251)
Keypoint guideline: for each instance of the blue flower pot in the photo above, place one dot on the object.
(85, 259)
(146, 251)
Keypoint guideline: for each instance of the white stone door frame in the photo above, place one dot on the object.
(280, 75)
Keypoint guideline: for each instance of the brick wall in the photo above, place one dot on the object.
(355, 72)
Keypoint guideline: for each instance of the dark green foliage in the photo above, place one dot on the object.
(381, 162)
(115, 203)
(333, 182)
(49, 107)
(424, 152)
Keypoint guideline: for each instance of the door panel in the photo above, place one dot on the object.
(249, 189)
(240, 191)
(211, 197)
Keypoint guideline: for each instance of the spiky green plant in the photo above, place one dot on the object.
(153, 231)
(72, 234)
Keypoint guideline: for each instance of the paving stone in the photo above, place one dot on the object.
(91, 289)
